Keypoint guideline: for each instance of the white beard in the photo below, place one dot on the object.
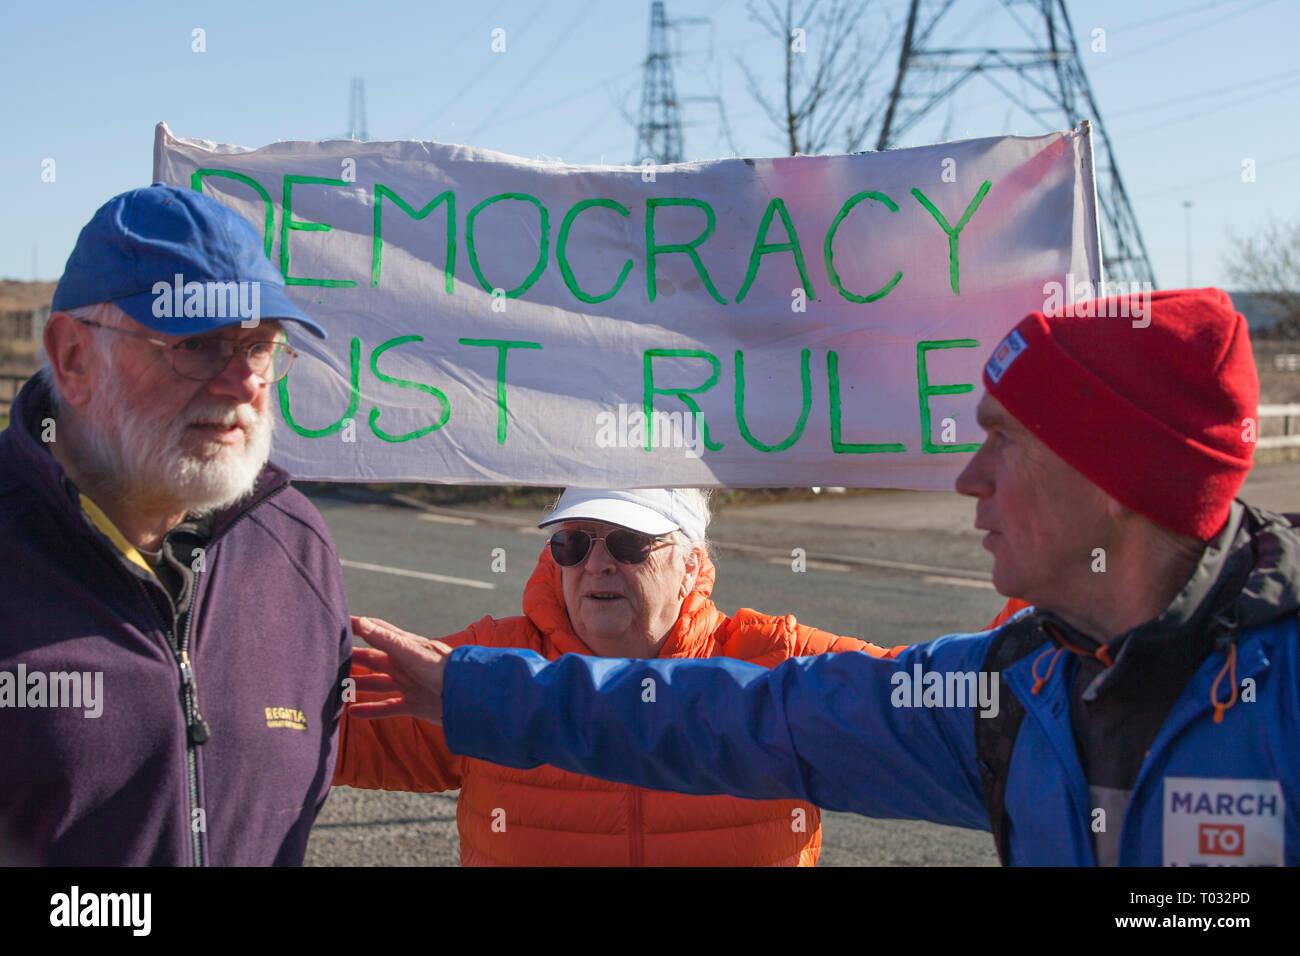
(137, 458)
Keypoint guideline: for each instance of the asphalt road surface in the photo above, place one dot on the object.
(892, 568)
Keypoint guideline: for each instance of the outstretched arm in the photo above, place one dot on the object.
(843, 731)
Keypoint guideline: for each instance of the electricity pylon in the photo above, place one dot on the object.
(1052, 75)
(659, 126)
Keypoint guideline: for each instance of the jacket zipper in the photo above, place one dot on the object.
(1062, 741)
(196, 729)
(634, 827)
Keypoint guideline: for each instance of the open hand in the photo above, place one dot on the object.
(408, 671)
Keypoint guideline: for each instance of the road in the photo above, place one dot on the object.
(892, 568)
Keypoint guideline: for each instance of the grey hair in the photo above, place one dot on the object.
(103, 347)
(698, 499)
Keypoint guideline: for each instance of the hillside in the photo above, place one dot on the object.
(15, 294)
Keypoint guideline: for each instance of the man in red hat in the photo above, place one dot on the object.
(1141, 712)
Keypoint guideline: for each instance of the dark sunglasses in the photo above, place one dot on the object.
(570, 548)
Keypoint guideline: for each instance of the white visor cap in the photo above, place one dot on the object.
(648, 510)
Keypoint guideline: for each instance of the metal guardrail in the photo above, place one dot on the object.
(1290, 437)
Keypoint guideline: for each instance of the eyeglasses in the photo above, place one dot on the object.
(570, 548)
(201, 359)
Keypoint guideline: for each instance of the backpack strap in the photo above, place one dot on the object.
(995, 737)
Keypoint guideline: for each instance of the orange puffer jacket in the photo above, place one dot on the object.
(546, 816)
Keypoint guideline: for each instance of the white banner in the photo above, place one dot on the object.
(798, 321)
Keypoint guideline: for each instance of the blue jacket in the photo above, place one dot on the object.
(121, 779)
(878, 737)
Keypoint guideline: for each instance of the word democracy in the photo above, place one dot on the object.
(383, 197)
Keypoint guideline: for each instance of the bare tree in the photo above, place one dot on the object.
(832, 50)
(1267, 264)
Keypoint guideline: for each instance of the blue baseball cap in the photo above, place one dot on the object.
(177, 262)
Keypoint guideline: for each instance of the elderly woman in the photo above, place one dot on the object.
(625, 574)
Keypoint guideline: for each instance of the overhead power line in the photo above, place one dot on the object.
(1053, 88)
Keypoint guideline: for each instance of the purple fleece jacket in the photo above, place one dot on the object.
(269, 644)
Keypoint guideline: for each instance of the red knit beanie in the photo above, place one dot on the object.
(1157, 408)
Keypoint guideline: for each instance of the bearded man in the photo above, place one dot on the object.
(175, 625)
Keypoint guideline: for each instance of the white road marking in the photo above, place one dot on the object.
(421, 575)
(812, 564)
(960, 582)
(825, 562)
(856, 561)
(445, 519)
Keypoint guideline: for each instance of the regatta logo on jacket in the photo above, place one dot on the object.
(289, 717)
(83, 689)
(1217, 822)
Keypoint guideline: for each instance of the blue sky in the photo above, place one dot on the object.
(1188, 91)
